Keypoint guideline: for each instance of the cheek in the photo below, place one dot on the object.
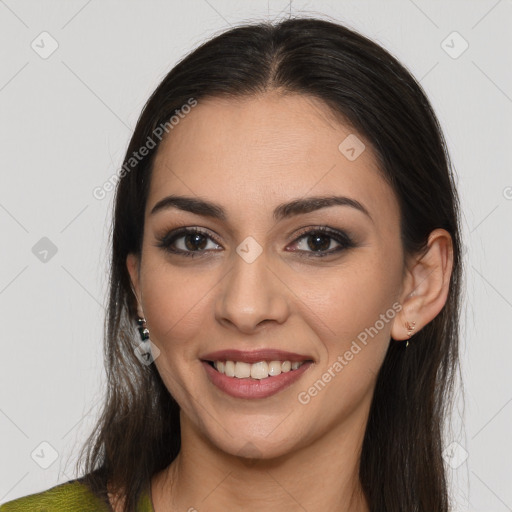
(174, 301)
(354, 296)
(352, 319)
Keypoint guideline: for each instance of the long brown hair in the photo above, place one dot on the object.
(401, 467)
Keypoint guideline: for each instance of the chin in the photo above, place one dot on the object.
(252, 445)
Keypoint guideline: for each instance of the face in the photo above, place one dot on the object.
(316, 286)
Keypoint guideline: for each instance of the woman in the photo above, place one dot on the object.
(286, 244)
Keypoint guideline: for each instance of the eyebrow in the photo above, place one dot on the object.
(282, 211)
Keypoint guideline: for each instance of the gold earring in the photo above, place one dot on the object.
(410, 327)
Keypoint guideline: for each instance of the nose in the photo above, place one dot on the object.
(251, 294)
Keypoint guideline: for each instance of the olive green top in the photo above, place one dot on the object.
(71, 496)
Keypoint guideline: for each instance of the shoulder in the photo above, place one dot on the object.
(71, 496)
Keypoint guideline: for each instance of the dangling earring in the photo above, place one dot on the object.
(143, 330)
(144, 350)
(410, 327)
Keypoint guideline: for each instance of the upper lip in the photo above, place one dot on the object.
(254, 356)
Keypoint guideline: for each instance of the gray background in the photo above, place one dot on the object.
(65, 121)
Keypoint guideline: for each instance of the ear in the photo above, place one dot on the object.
(132, 264)
(425, 286)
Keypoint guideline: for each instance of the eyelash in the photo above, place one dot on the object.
(342, 238)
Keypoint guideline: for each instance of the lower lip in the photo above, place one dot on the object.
(254, 388)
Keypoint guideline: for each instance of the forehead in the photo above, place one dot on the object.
(266, 149)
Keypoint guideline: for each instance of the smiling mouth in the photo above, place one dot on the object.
(258, 371)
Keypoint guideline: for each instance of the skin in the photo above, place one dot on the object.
(249, 155)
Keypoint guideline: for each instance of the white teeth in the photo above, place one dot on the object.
(242, 370)
(259, 370)
(229, 368)
(274, 368)
(286, 366)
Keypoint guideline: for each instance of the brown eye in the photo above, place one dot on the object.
(193, 241)
(319, 242)
(187, 242)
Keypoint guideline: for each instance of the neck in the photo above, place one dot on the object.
(320, 476)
